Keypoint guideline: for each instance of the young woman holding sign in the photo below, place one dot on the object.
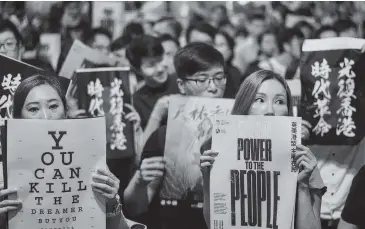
(266, 93)
(40, 97)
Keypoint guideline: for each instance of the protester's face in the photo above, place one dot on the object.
(217, 15)
(270, 100)
(349, 33)
(221, 44)
(268, 45)
(256, 27)
(43, 102)
(327, 34)
(74, 9)
(101, 43)
(170, 49)
(296, 46)
(211, 83)
(9, 45)
(154, 70)
(163, 28)
(197, 36)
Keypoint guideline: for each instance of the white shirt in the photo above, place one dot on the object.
(338, 165)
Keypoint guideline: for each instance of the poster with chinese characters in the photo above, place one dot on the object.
(253, 181)
(333, 90)
(189, 125)
(109, 15)
(12, 72)
(81, 56)
(105, 92)
(296, 92)
(51, 163)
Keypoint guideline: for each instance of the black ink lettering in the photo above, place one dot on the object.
(75, 199)
(64, 187)
(38, 199)
(69, 158)
(43, 158)
(57, 174)
(57, 200)
(36, 173)
(80, 188)
(50, 187)
(235, 194)
(75, 172)
(33, 187)
(276, 198)
(57, 140)
(243, 197)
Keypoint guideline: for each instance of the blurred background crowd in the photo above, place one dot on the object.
(250, 35)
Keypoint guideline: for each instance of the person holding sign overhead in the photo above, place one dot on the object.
(266, 93)
(41, 97)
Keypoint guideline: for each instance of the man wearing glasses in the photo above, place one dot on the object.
(200, 71)
(10, 41)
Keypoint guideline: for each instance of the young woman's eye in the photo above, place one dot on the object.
(33, 109)
(280, 101)
(53, 106)
(260, 100)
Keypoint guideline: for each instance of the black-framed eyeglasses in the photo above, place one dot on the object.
(205, 82)
(9, 45)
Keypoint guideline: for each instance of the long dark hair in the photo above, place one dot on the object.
(248, 89)
(28, 84)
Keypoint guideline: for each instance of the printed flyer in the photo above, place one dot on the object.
(51, 163)
(254, 178)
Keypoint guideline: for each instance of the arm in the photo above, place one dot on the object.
(345, 225)
(139, 194)
(116, 220)
(308, 200)
(308, 208)
(206, 162)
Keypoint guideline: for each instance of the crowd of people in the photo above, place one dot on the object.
(247, 56)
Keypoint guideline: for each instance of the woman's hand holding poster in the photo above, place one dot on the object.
(333, 90)
(254, 177)
(51, 164)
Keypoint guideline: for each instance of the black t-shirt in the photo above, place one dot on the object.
(169, 217)
(146, 97)
(354, 209)
(233, 82)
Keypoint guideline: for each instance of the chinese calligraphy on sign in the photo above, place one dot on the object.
(322, 96)
(96, 105)
(118, 140)
(9, 84)
(346, 93)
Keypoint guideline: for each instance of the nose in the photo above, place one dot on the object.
(2, 48)
(269, 109)
(45, 114)
(212, 87)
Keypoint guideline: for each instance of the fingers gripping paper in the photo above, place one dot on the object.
(253, 179)
(51, 164)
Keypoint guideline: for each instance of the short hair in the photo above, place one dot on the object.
(28, 84)
(247, 92)
(344, 24)
(173, 23)
(167, 37)
(324, 28)
(6, 25)
(288, 34)
(301, 24)
(202, 27)
(142, 47)
(90, 36)
(275, 34)
(196, 57)
(133, 29)
(119, 43)
(230, 41)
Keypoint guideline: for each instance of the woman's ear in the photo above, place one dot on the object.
(181, 86)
